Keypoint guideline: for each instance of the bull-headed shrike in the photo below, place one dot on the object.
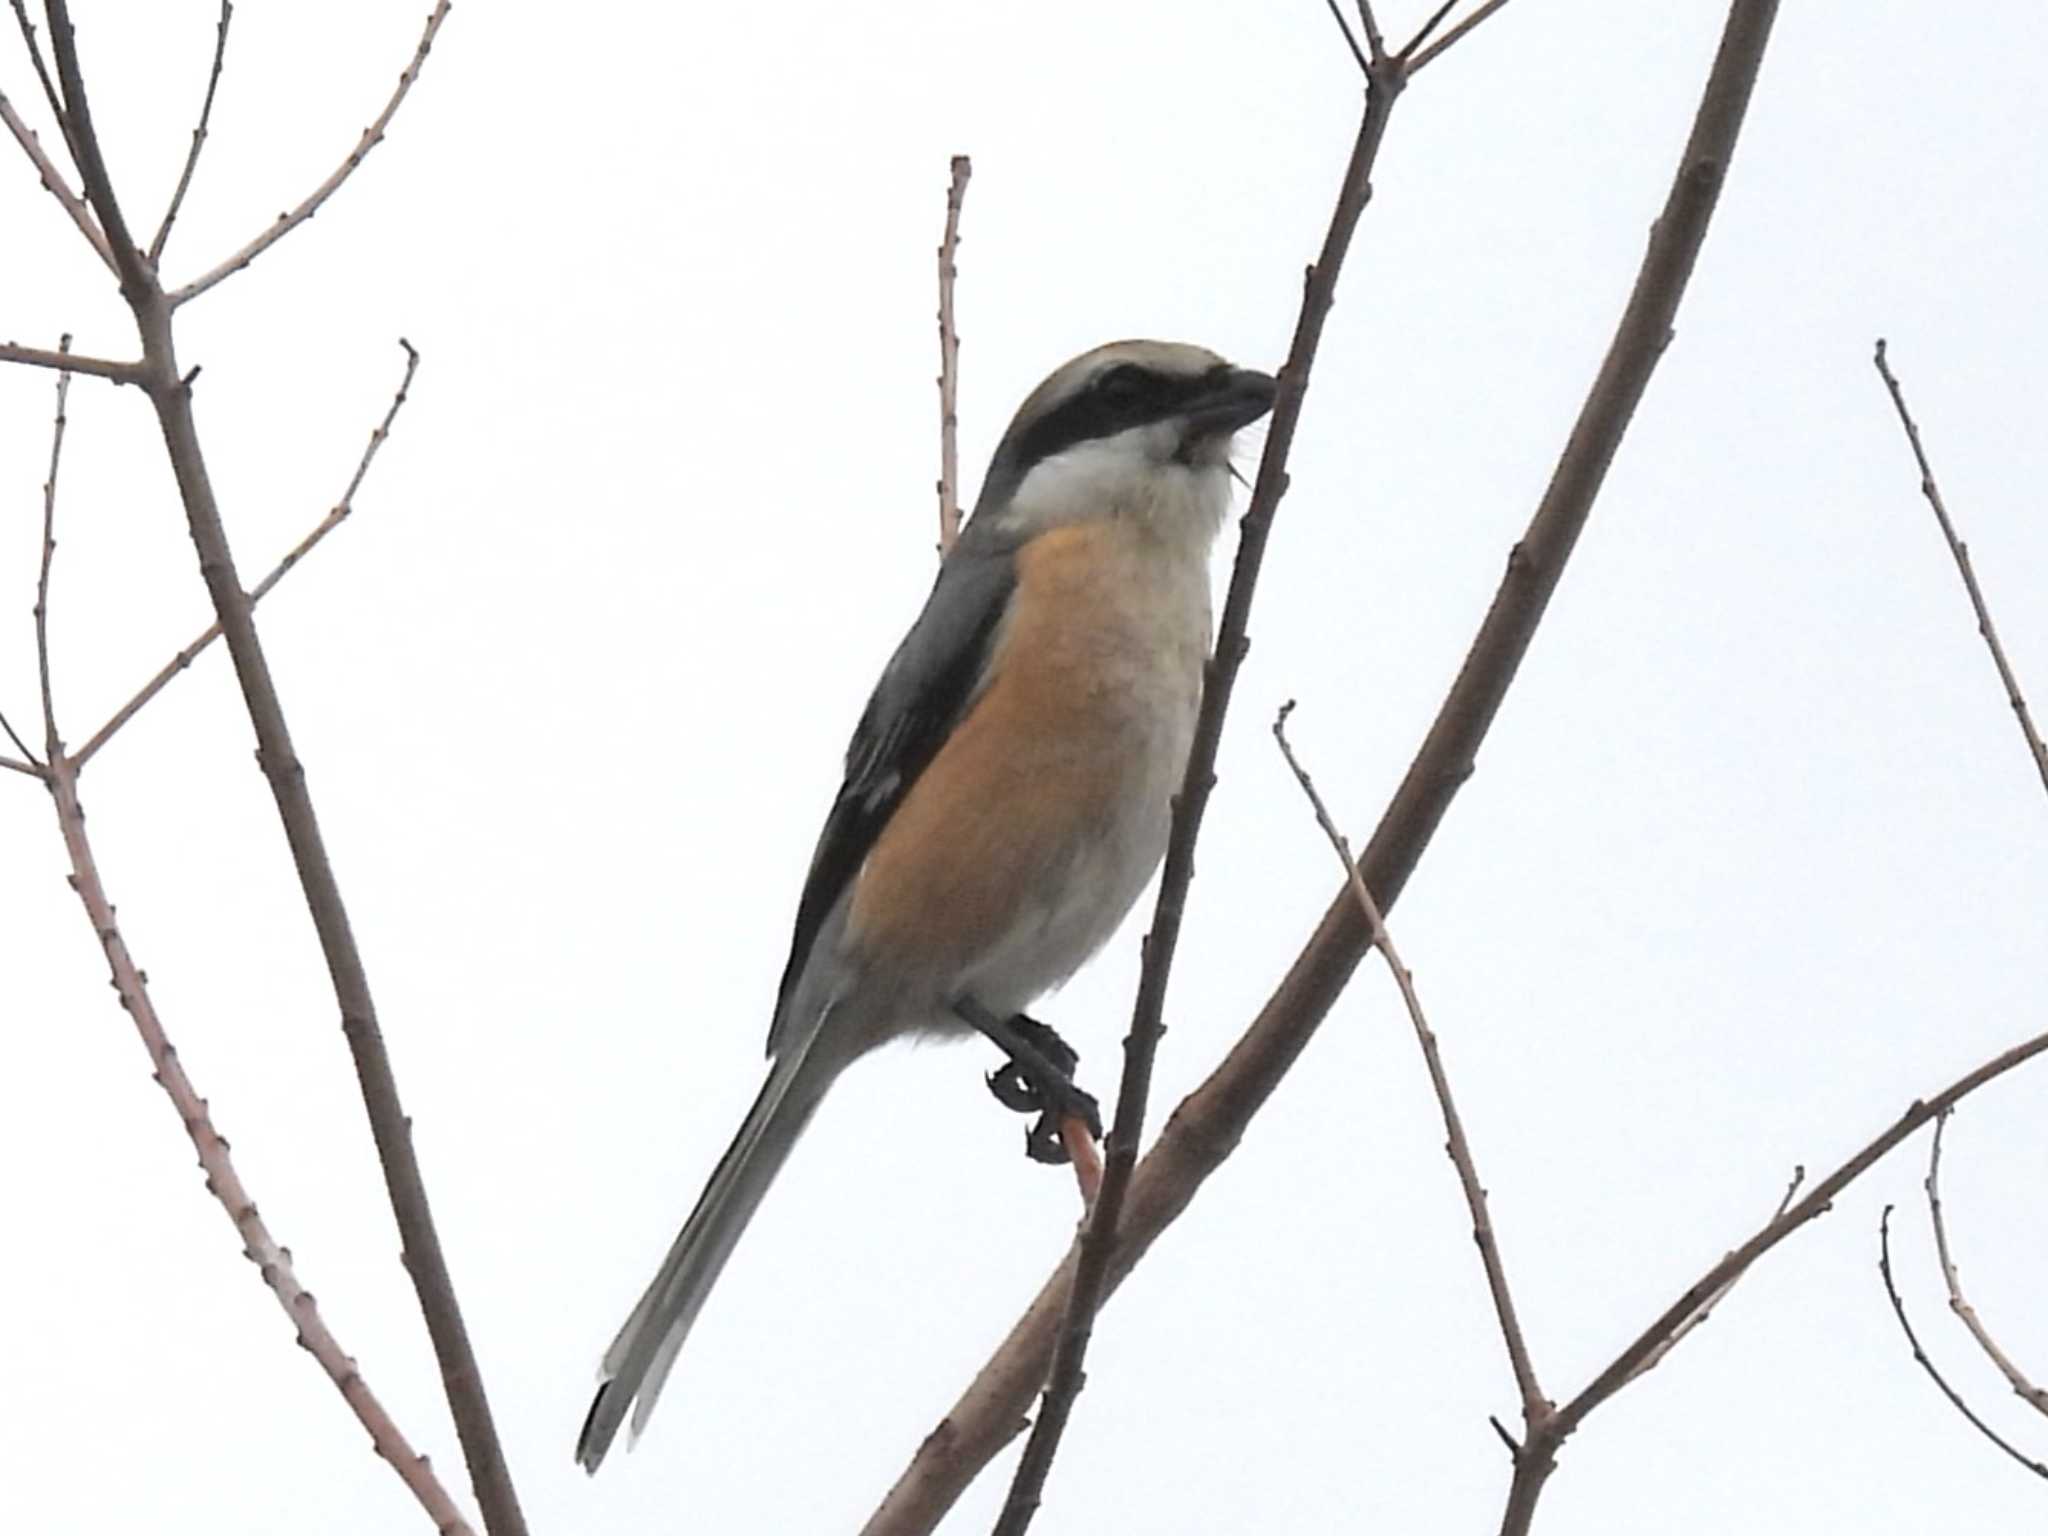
(1009, 787)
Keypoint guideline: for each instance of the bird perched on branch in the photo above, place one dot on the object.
(1008, 790)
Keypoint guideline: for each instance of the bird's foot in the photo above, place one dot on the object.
(1037, 1079)
(1013, 1083)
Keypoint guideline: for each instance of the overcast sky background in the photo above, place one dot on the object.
(1753, 857)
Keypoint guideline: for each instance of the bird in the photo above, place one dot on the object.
(1008, 789)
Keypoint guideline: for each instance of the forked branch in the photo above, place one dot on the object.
(1926, 1361)
(170, 394)
(220, 50)
(2033, 1396)
(285, 223)
(273, 1261)
(1458, 1148)
(53, 180)
(1100, 1235)
(336, 516)
(1205, 1129)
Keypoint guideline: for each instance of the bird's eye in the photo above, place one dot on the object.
(1124, 386)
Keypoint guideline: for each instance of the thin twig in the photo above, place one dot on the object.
(1205, 1129)
(1715, 1297)
(1961, 551)
(28, 762)
(1791, 1189)
(949, 360)
(53, 748)
(95, 184)
(271, 1258)
(1424, 32)
(1350, 41)
(35, 57)
(71, 362)
(1101, 1234)
(1624, 1368)
(1534, 1403)
(53, 180)
(1375, 44)
(220, 50)
(2028, 1393)
(1454, 34)
(1884, 1268)
(335, 517)
(390, 1127)
(287, 222)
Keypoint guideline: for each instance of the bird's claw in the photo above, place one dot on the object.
(1037, 1079)
(1043, 1143)
(1046, 1040)
(1045, 1088)
(1013, 1088)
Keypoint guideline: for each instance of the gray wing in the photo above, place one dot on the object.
(929, 684)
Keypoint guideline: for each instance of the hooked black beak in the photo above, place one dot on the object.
(1236, 398)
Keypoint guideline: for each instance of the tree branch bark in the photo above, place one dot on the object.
(171, 395)
(1091, 1279)
(1960, 552)
(1207, 1126)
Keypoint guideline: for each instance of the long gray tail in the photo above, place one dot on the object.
(638, 1362)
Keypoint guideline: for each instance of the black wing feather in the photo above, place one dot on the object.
(927, 686)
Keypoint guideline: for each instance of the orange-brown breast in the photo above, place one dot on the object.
(1087, 694)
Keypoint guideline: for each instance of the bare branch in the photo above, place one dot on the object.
(1537, 1457)
(1791, 1189)
(28, 762)
(1205, 1129)
(1817, 1202)
(1534, 1403)
(1426, 31)
(1375, 44)
(1419, 59)
(1350, 41)
(2028, 1393)
(335, 517)
(1884, 1268)
(53, 747)
(390, 1126)
(34, 50)
(271, 1258)
(287, 222)
(98, 187)
(171, 395)
(1100, 1235)
(1715, 1297)
(71, 362)
(220, 49)
(1961, 552)
(949, 361)
(54, 182)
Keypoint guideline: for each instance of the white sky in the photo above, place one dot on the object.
(1753, 856)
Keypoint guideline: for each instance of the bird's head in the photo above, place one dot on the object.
(1134, 428)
